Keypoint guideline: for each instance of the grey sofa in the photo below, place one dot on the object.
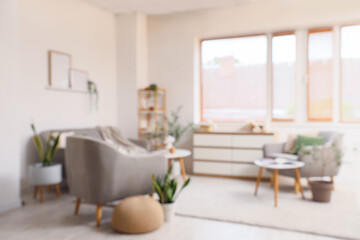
(312, 168)
(98, 173)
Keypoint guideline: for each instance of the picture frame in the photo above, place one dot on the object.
(79, 80)
(59, 69)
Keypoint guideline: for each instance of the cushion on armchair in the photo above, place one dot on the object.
(302, 141)
(291, 141)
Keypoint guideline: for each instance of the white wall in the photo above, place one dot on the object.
(9, 118)
(173, 45)
(72, 26)
(132, 62)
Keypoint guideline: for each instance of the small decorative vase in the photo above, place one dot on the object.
(45, 175)
(169, 211)
(172, 150)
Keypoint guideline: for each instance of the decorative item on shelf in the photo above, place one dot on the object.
(166, 191)
(174, 128)
(45, 173)
(256, 127)
(324, 155)
(94, 93)
(206, 126)
(153, 87)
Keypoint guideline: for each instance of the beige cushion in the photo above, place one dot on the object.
(138, 214)
(291, 142)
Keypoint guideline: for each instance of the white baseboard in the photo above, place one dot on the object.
(10, 205)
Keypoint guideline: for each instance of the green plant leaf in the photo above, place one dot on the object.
(39, 147)
(38, 143)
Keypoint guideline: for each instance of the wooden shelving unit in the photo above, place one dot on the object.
(152, 116)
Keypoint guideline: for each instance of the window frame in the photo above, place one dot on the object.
(310, 31)
(278, 34)
(341, 120)
(201, 75)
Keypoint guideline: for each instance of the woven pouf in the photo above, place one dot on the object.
(138, 214)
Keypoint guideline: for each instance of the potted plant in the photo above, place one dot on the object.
(324, 155)
(93, 91)
(166, 191)
(45, 173)
(175, 129)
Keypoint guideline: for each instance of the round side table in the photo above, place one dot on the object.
(276, 166)
(178, 155)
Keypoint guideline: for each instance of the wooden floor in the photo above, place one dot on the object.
(54, 219)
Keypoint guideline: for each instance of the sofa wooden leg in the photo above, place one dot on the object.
(77, 206)
(98, 214)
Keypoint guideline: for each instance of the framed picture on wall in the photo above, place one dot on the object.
(59, 69)
(79, 80)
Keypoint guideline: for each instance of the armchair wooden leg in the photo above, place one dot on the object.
(98, 214)
(332, 181)
(49, 188)
(298, 178)
(258, 180)
(276, 185)
(36, 188)
(77, 206)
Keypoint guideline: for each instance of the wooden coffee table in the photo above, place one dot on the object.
(276, 166)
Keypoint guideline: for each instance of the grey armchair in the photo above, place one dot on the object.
(311, 168)
(98, 173)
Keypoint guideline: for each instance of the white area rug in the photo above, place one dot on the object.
(234, 201)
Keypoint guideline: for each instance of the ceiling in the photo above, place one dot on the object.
(155, 7)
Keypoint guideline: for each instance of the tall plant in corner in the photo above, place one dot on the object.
(174, 128)
(52, 145)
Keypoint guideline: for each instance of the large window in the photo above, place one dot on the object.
(350, 74)
(320, 74)
(283, 76)
(234, 78)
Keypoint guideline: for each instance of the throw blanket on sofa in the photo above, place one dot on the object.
(115, 137)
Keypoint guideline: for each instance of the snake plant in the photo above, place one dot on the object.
(51, 147)
(166, 189)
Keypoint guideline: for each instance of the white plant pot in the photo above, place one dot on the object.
(169, 211)
(45, 175)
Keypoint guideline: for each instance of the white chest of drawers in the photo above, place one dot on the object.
(229, 154)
